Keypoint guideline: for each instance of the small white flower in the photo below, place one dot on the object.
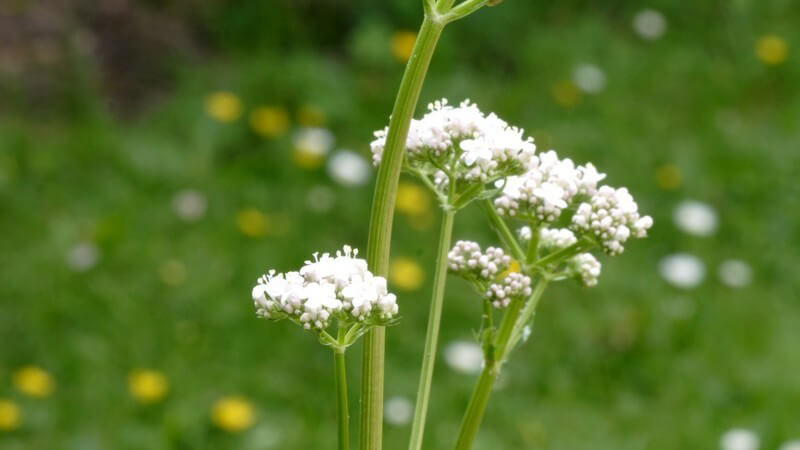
(791, 445)
(475, 150)
(589, 78)
(83, 256)
(313, 141)
(586, 267)
(464, 356)
(695, 218)
(682, 270)
(514, 285)
(466, 259)
(649, 24)
(739, 439)
(348, 168)
(398, 411)
(735, 273)
(612, 216)
(190, 205)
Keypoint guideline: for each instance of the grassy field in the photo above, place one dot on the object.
(100, 277)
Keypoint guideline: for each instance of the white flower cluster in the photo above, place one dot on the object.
(466, 258)
(612, 216)
(513, 285)
(547, 188)
(550, 238)
(586, 267)
(323, 288)
(470, 145)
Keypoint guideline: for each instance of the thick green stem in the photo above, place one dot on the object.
(477, 405)
(507, 336)
(502, 229)
(340, 375)
(380, 227)
(432, 336)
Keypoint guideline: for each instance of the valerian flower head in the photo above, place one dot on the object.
(546, 189)
(514, 285)
(611, 216)
(461, 145)
(329, 286)
(467, 260)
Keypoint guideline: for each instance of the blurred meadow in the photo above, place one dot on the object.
(157, 156)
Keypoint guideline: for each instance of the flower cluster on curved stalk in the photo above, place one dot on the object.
(562, 212)
(457, 151)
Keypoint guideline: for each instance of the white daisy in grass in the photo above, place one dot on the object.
(735, 273)
(696, 218)
(791, 445)
(682, 270)
(464, 356)
(397, 411)
(650, 24)
(348, 168)
(83, 256)
(189, 205)
(739, 439)
(589, 78)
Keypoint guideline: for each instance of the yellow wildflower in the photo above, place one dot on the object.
(223, 106)
(402, 44)
(311, 116)
(233, 414)
(772, 49)
(147, 385)
(10, 415)
(406, 274)
(252, 223)
(34, 381)
(669, 177)
(412, 199)
(513, 267)
(269, 121)
(566, 93)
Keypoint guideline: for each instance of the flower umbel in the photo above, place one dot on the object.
(457, 150)
(329, 286)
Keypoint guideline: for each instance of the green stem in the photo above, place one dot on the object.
(340, 375)
(502, 229)
(340, 378)
(380, 227)
(464, 9)
(533, 244)
(477, 405)
(507, 337)
(432, 336)
(527, 312)
(564, 253)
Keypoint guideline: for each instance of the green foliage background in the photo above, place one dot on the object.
(631, 364)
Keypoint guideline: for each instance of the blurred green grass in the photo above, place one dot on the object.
(631, 364)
